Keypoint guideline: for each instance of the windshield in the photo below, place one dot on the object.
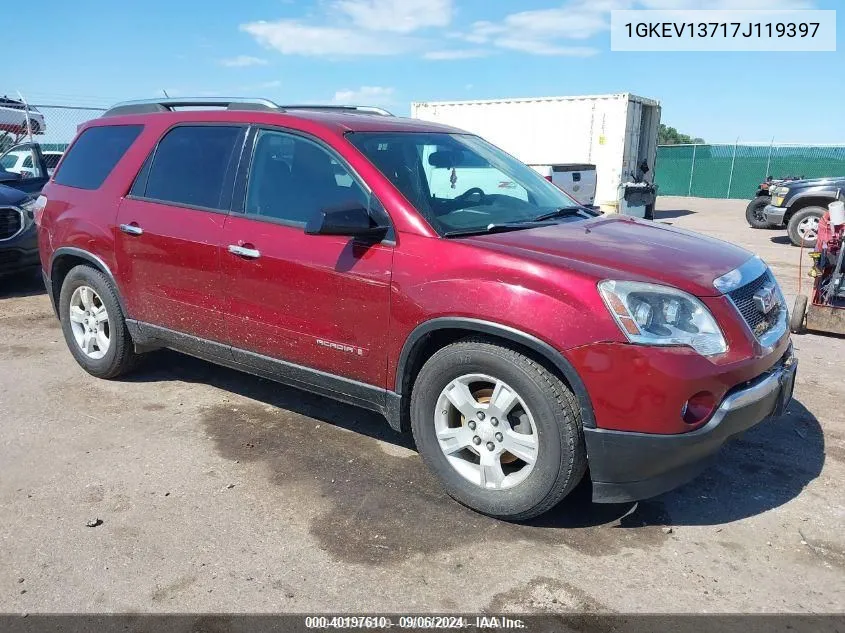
(460, 182)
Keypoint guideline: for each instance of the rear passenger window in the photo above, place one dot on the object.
(94, 154)
(189, 165)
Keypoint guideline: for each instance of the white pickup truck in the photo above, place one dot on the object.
(576, 179)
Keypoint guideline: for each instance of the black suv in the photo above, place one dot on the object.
(800, 204)
(18, 238)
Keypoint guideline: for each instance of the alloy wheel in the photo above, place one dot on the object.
(486, 431)
(808, 228)
(89, 321)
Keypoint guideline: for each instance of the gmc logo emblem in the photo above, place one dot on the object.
(765, 299)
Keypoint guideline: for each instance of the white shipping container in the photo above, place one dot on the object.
(613, 132)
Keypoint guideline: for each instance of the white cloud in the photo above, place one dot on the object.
(292, 37)
(465, 53)
(356, 28)
(365, 95)
(398, 16)
(540, 32)
(552, 31)
(243, 60)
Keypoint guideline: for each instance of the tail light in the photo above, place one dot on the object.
(549, 178)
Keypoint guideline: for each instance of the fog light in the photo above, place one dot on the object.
(699, 407)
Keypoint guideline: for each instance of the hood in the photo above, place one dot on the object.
(621, 247)
(10, 195)
(810, 182)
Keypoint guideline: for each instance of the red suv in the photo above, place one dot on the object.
(415, 270)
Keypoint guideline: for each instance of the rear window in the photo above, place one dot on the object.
(189, 165)
(94, 154)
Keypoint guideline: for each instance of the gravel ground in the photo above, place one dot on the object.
(221, 492)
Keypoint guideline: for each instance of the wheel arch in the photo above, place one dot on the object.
(810, 199)
(64, 259)
(430, 336)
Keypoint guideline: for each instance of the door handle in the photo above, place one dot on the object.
(131, 229)
(243, 251)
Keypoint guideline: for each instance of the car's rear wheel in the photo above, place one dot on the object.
(93, 324)
(755, 212)
(803, 227)
(501, 432)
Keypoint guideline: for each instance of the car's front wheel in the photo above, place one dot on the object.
(501, 432)
(803, 226)
(93, 324)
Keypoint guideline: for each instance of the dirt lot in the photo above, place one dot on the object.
(221, 492)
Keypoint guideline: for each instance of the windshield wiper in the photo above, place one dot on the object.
(561, 212)
(495, 228)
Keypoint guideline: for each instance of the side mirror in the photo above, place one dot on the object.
(352, 220)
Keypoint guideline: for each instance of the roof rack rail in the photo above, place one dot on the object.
(339, 108)
(147, 106)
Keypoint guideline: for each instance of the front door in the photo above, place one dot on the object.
(317, 301)
(170, 227)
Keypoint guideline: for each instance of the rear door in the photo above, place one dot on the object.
(313, 300)
(171, 226)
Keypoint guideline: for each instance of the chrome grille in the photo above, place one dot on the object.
(743, 299)
(11, 222)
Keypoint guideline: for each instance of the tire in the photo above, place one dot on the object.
(754, 213)
(803, 226)
(799, 314)
(546, 409)
(34, 126)
(102, 360)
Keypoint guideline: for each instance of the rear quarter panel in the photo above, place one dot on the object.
(85, 218)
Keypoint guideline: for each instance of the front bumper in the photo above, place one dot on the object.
(20, 253)
(774, 215)
(628, 466)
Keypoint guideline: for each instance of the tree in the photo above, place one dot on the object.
(670, 136)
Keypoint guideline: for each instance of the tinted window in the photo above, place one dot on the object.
(190, 163)
(292, 178)
(51, 160)
(94, 154)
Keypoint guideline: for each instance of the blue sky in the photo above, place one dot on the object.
(392, 52)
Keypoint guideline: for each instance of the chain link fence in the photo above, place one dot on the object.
(52, 126)
(735, 171)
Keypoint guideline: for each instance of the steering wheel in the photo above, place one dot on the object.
(472, 192)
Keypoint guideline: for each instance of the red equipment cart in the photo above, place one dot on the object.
(824, 309)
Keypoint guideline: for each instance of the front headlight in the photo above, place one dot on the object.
(29, 207)
(650, 314)
(778, 194)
